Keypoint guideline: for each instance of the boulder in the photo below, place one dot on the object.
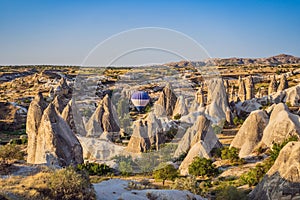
(56, 143)
(251, 132)
(166, 102)
(95, 149)
(34, 116)
(103, 120)
(283, 179)
(282, 125)
(292, 95)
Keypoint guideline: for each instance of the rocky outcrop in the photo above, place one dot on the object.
(199, 140)
(180, 107)
(34, 116)
(166, 102)
(60, 102)
(282, 125)
(103, 119)
(283, 179)
(283, 83)
(199, 97)
(272, 86)
(292, 95)
(62, 88)
(217, 100)
(71, 115)
(251, 132)
(146, 134)
(232, 95)
(99, 150)
(242, 90)
(56, 144)
(139, 140)
(155, 130)
(249, 84)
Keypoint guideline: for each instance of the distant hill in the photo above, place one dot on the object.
(281, 59)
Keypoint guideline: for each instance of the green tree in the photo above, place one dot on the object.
(125, 168)
(202, 167)
(231, 153)
(165, 172)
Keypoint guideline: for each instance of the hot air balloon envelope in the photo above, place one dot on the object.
(140, 99)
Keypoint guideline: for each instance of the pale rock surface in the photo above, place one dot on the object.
(146, 133)
(199, 140)
(60, 102)
(251, 132)
(56, 143)
(180, 107)
(103, 119)
(293, 95)
(272, 86)
(217, 101)
(116, 189)
(166, 102)
(242, 89)
(71, 115)
(283, 179)
(282, 125)
(283, 83)
(139, 140)
(99, 150)
(249, 84)
(34, 116)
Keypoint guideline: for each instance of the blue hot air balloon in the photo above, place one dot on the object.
(140, 99)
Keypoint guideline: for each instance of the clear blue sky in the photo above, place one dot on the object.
(63, 32)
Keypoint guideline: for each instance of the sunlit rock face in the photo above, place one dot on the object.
(283, 179)
(56, 144)
(251, 132)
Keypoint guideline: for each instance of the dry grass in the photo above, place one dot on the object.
(30, 187)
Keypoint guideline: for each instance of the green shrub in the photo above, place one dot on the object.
(230, 193)
(94, 168)
(68, 184)
(125, 168)
(288, 104)
(231, 153)
(147, 162)
(238, 121)
(177, 116)
(202, 167)
(189, 183)
(165, 172)
(255, 175)
(276, 148)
